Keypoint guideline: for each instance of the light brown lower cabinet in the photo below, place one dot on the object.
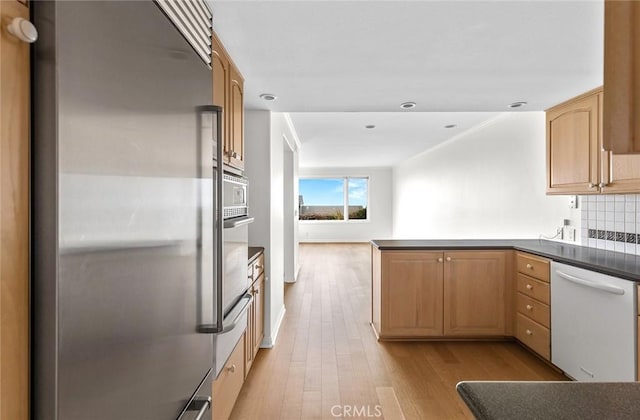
(476, 293)
(533, 300)
(535, 336)
(228, 384)
(426, 294)
(411, 292)
(255, 323)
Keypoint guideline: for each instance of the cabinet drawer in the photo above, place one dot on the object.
(534, 336)
(533, 266)
(228, 384)
(533, 288)
(533, 309)
(256, 268)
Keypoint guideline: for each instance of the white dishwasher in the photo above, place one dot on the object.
(593, 324)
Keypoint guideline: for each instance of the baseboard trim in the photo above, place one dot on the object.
(269, 342)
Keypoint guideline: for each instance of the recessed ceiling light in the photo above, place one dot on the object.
(407, 105)
(450, 126)
(517, 104)
(268, 96)
(370, 126)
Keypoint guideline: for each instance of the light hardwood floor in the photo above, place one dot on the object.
(327, 361)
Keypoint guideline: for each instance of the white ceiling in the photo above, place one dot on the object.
(340, 139)
(370, 56)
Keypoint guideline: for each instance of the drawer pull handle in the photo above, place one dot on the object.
(232, 368)
(529, 266)
(448, 258)
(440, 259)
(529, 332)
(529, 307)
(530, 287)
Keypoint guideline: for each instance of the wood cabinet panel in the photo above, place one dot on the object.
(475, 293)
(533, 266)
(533, 309)
(622, 76)
(228, 384)
(258, 297)
(572, 146)
(255, 313)
(611, 173)
(533, 288)
(236, 119)
(228, 92)
(412, 287)
(220, 70)
(533, 335)
(14, 217)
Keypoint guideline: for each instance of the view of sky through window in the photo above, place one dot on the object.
(324, 198)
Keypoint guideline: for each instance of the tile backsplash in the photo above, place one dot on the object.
(611, 222)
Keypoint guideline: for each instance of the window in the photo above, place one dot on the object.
(333, 198)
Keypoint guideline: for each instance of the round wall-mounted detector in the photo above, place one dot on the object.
(407, 105)
(450, 126)
(268, 96)
(517, 104)
(369, 126)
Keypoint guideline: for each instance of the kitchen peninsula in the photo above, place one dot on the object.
(502, 289)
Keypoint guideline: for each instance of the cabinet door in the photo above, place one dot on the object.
(220, 69)
(622, 76)
(236, 119)
(258, 307)
(14, 217)
(475, 297)
(411, 294)
(248, 337)
(623, 173)
(572, 147)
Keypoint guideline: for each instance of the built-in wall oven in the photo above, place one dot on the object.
(231, 235)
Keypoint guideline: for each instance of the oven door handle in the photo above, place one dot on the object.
(231, 320)
(239, 221)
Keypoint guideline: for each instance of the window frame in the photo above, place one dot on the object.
(345, 204)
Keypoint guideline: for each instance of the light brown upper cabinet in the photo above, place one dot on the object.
(228, 91)
(14, 216)
(235, 142)
(622, 76)
(572, 146)
(577, 162)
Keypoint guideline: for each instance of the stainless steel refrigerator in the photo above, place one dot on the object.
(123, 225)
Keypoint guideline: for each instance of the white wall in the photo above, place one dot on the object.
(264, 133)
(290, 200)
(486, 183)
(379, 225)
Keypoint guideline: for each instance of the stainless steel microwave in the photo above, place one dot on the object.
(234, 196)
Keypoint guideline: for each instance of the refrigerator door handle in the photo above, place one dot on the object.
(201, 405)
(218, 226)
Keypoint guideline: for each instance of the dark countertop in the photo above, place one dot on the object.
(551, 400)
(254, 252)
(626, 266)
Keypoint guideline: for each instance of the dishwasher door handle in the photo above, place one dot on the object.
(594, 285)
